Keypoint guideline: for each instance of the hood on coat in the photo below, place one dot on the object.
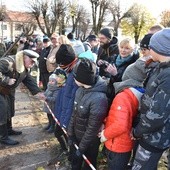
(100, 86)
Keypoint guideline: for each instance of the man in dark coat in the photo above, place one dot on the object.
(14, 70)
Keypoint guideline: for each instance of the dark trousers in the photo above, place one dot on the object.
(44, 77)
(3, 131)
(91, 153)
(146, 160)
(117, 161)
(61, 137)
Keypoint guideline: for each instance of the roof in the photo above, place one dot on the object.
(15, 16)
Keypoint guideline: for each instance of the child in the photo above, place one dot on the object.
(123, 110)
(90, 109)
(56, 82)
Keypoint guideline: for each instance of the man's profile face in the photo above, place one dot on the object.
(28, 62)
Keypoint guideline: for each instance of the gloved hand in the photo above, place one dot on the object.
(78, 153)
(102, 137)
(71, 140)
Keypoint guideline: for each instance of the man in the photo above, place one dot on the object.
(44, 74)
(108, 49)
(14, 70)
(94, 42)
(51, 62)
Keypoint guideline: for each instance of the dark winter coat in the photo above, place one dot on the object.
(90, 109)
(8, 70)
(153, 128)
(108, 53)
(51, 96)
(42, 60)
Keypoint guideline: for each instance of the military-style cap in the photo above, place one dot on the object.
(31, 54)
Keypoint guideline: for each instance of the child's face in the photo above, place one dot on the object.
(52, 81)
(59, 80)
(125, 50)
(145, 52)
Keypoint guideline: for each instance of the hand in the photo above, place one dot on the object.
(100, 130)
(11, 81)
(78, 153)
(100, 62)
(111, 69)
(71, 140)
(41, 96)
(102, 137)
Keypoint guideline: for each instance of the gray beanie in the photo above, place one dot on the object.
(160, 42)
(133, 76)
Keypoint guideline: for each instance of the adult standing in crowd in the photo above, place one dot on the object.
(108, 49)
(14, 70)
(94, 42)
(154, 125)
(44, 74)
(51, 61)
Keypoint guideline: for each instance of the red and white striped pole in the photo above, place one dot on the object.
(56, 120)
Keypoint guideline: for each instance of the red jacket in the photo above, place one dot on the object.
(119, 122)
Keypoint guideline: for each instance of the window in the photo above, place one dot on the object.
(18, 27)
(4, 27)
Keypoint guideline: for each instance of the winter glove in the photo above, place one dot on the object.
(102, 137)
(77, 155)
(71, 140)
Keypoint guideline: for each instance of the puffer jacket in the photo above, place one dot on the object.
(90, 109)
(154, 126)
(118, 125)
(64, 103)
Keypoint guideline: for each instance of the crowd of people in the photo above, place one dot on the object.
(103, 90)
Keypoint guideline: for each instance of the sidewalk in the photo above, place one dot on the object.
(36, 147)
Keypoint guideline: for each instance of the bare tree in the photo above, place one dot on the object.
(99, 9)
(47, 14)
(165, 18)
(118, 13)
(138, 22)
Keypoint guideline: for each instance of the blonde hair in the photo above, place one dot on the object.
(127, 41)
(64, 40)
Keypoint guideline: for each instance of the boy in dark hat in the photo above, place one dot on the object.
(14, 70)
(90, 109)
(66, 59)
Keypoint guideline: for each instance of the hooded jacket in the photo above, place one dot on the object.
(90, 109)
(154, 126)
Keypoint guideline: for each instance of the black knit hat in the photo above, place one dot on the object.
(70, 36)
(108, 32)
(65, 55)
(85, 72)
(145, 41)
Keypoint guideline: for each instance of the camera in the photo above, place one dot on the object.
(104, 65)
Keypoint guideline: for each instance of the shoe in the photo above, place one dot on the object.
(14, 132)
(50, 130)
(46, 127)
(8, 141)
